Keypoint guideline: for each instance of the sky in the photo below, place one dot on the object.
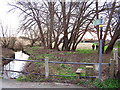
(11, 19)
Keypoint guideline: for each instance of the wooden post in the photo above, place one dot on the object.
(116, 59)
(78, 77)
(78, 72)
(89, 71)
(46, 67)
(116, 56)
(111, 68)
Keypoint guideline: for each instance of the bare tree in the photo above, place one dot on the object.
(31, 12)
(7, 39)
(31, 34)
(114, 30)
(108, 24)
(62, 22)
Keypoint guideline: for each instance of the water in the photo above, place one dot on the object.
(16, 65)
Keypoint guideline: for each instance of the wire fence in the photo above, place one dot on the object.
(75, 63)
(56, 62)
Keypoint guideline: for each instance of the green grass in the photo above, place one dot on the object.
(47, 55)
(35, 54)
(67, 53)
(35, 48)
(23, 78)
(85, 51)
(85, 83)
(109, 83)
(95, 44)
(81, 51)
(105, 48)
(64, 70)
(84, 60)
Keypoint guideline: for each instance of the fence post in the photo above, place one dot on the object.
(46, 67)
(78, 72)
(116, 59)
(116, 56)
(111, 68)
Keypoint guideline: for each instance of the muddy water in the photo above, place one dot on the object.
(16, 65)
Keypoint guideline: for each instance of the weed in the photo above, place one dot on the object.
(62, 54)
(41, 80)
(109, 83)
(65, 77)
(86, 83)
(84, 60)
(82, 74)
(47, 55)
(23, 78)
(68, 71)
(81, 82)
(67, 53)
(56, 80)
(59, 58)
(35, 48)
(62, 65)
(85, 51)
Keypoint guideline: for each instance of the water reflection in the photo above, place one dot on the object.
(16, 65)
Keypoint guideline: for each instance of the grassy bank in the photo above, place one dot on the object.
(80, 55)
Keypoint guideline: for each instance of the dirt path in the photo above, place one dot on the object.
(8, 83)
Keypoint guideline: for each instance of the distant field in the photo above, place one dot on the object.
(82, 46)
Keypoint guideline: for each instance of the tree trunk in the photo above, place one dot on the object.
(51, 10)
(32, 43)
(112, 42)
(65, 26)
(97, 18)
(110, 18)
(56, 41)
(41, 32)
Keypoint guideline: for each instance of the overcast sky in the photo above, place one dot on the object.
(12, 19)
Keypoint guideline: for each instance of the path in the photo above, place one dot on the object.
(8, 83)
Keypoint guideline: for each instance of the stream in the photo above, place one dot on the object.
(15, 65)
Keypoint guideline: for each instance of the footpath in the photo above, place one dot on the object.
(10, 83)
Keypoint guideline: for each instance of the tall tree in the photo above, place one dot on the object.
(108, 25)
(116, 33)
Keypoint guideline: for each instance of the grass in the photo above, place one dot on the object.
(23, 78)
(86, 51)
(109, 83)
(62, 69)
(35, 54)
(79, 51)
(84, 60)
(35, 48)
(86, 83)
